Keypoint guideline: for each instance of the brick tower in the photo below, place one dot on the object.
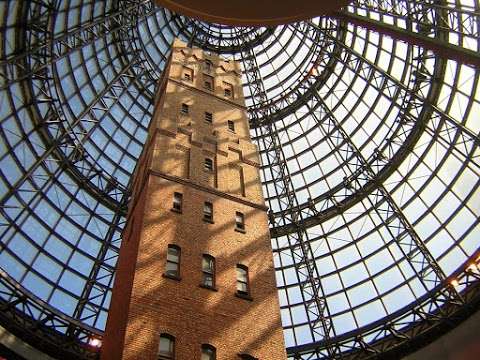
(195, 277)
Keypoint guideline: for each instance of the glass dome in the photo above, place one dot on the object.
(367, 126)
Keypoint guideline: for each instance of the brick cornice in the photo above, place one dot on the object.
(207, 189)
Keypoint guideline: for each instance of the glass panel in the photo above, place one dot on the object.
(172, 268)
(208, 354)
(242, 287)
(241, 274)
(208, 280)
(207, 264)
(165, 347)
(173, 254)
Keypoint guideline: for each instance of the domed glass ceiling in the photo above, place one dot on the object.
(369, 145)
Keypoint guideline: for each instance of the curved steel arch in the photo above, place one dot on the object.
(342, 194)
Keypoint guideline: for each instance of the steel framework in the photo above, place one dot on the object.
(365, 123)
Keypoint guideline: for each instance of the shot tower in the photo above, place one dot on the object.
(195, 277)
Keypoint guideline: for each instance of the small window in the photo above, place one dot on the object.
(239, 221)
(177, 202)
(208, 164)
(166, 347)
(242, 280)
(208, 117)
(208, 352)
(208, 271)
(231, 125)
(208, 212)
(187, 74)
(185, 109)
(208, 82)
(227, 89)
(173, 261)
(207, 66)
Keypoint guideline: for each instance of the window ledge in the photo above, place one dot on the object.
(213, 288)
(240, 230)
(208, 221)
(176, 211)
(243, 296)
(172, 277)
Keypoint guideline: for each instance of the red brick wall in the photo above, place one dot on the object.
(192, 314)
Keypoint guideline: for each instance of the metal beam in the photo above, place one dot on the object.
(43, 326)
(440, 47)
(410, 328)
(17, 68)
(327, 46)
(302, 254)
(396, 223)
(422, 109)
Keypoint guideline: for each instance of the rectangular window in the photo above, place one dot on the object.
(177, 202)
(166, 347)
(208, 82)
(173, 261)
(242, 280)
(228, 90)
(231, 125)
(187, 74)
(208, 271)
(208, 117)
(208, 212)
(239, 221)
(208, 164)
(185, 109)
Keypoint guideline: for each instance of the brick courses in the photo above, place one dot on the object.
(145, 303)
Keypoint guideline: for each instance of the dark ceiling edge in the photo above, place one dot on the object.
(414, 337)
(16, 316)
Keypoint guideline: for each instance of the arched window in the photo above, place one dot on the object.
(208, 352)
(244, 356)
(184, 110)
(173, 261)
(166, 347)
(243, 287)
(177, 202)
(208, 271)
